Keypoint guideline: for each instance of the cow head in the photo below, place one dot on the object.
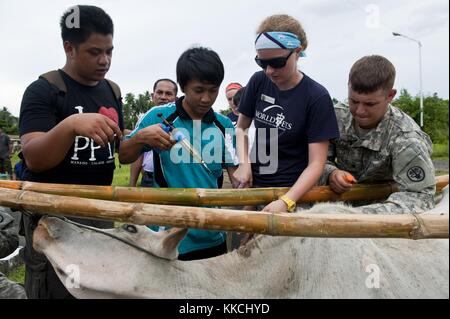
(163, 244)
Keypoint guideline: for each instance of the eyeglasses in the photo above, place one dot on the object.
(275, 63)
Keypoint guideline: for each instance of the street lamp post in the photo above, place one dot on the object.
(420, 71)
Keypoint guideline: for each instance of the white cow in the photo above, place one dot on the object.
(93, 265)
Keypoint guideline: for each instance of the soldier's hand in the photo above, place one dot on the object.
(96, 126)
(156, 137)
(339, 181)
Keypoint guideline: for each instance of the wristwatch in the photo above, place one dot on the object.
(291, 205)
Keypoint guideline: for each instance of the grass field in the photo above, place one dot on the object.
(440, 151)
(121, 174)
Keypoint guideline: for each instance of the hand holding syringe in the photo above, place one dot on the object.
(180, 138)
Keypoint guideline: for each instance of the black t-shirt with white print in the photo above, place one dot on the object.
(86, 162)
(286, 122)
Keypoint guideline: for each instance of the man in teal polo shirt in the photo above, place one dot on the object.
(199, 74)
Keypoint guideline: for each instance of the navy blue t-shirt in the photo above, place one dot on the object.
(286, 122)
(233, 118)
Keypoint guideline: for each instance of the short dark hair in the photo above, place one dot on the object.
(201, 64)
(238, 95)
(91, 20)
(166, 80)
(371, 73)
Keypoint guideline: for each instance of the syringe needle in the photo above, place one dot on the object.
(194, 154)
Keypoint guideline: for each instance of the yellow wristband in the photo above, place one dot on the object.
(291, 205)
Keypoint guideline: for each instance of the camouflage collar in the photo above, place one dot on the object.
(374, 139)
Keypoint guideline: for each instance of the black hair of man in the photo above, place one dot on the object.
(91, 20)
(237, 97)
(166, 80)
(201, 64)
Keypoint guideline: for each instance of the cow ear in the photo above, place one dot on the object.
(172, 239)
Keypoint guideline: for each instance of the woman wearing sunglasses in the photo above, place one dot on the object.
(293, 114)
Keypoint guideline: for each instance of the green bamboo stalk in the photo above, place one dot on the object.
(210, 197)
(412, 226)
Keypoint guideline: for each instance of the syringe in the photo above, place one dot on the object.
(180, 138)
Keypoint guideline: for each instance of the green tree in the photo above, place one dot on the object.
(134, 107)
(8, 122)
(435, 115)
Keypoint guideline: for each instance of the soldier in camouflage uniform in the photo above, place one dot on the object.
(8, 243)
(380, 143)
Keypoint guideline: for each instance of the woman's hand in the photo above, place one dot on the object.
(243, 176)
(277, 206)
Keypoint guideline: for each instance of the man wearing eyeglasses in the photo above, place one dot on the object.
(293, 115)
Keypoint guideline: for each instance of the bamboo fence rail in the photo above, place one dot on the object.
(210, 197)
(412, 226)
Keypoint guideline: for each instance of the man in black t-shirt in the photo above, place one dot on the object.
(69, 121)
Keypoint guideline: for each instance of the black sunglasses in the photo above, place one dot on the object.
(275, 63)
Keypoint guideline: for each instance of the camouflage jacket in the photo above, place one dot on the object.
(397, 150)
(8, 234)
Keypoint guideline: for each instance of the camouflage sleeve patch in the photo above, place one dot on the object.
(413, 168)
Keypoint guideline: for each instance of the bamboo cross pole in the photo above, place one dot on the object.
(210, 197)
(412, 226)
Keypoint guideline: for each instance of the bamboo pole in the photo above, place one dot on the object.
(301, 224)
(210, 197)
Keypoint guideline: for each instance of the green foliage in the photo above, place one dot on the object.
(440, 151)
(8, 122)
(226, 111)
(435, 117)
(121, 174)
(134, 107)
(17, 274)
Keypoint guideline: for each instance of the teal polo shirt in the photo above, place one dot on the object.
(213, 138)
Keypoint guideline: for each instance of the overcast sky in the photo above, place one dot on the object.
(151, 35)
